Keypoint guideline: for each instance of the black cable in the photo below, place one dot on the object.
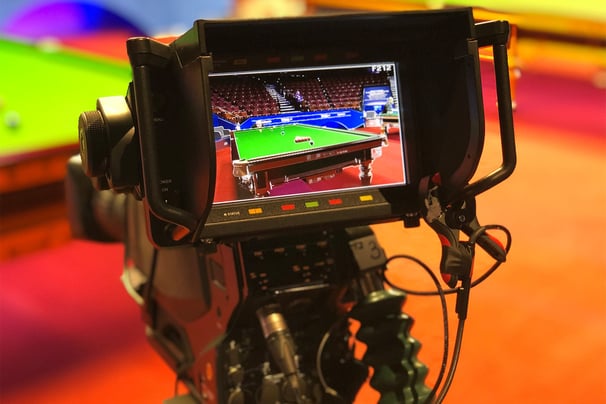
(473, 238)
(461, 306)
(441, 293)
(327, 389)
(456, 353)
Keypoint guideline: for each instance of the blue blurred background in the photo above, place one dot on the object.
(29, 18)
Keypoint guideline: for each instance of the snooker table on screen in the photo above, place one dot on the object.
(265, 157)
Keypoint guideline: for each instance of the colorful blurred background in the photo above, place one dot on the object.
(536, 331)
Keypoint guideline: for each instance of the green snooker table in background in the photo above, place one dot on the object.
(265, 157)
(43, 90)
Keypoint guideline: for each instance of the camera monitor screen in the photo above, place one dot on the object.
(307, 132)
(281, 133)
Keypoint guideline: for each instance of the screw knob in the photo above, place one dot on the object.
(94, 149)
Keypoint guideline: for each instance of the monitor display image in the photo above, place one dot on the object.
(306, 130)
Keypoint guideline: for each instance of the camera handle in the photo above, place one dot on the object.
(448, 211)
(391, 351)
(496, 34)
(398, 375)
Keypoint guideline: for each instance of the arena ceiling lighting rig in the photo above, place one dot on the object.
(243, 168)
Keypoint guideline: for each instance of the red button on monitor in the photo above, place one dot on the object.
(335, 201)
(288, 206)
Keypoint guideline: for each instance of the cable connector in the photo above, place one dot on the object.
(462, 303)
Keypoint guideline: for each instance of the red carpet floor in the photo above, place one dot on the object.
(536, 331)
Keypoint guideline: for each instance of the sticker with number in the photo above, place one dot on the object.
(367, 252)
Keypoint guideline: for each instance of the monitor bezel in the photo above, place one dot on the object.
(442, 135)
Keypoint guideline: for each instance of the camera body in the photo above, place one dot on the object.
(253, 154)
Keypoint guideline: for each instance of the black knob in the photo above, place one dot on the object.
(94, 148)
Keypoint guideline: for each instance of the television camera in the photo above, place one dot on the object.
(242, 171)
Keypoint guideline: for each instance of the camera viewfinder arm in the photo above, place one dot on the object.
(496, 34)
(146, 55)
(173, 204)
(449, 211)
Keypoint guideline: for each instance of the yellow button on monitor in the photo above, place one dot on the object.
(255, 211)
(366, 198)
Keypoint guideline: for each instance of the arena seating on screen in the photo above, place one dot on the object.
(237, 99)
